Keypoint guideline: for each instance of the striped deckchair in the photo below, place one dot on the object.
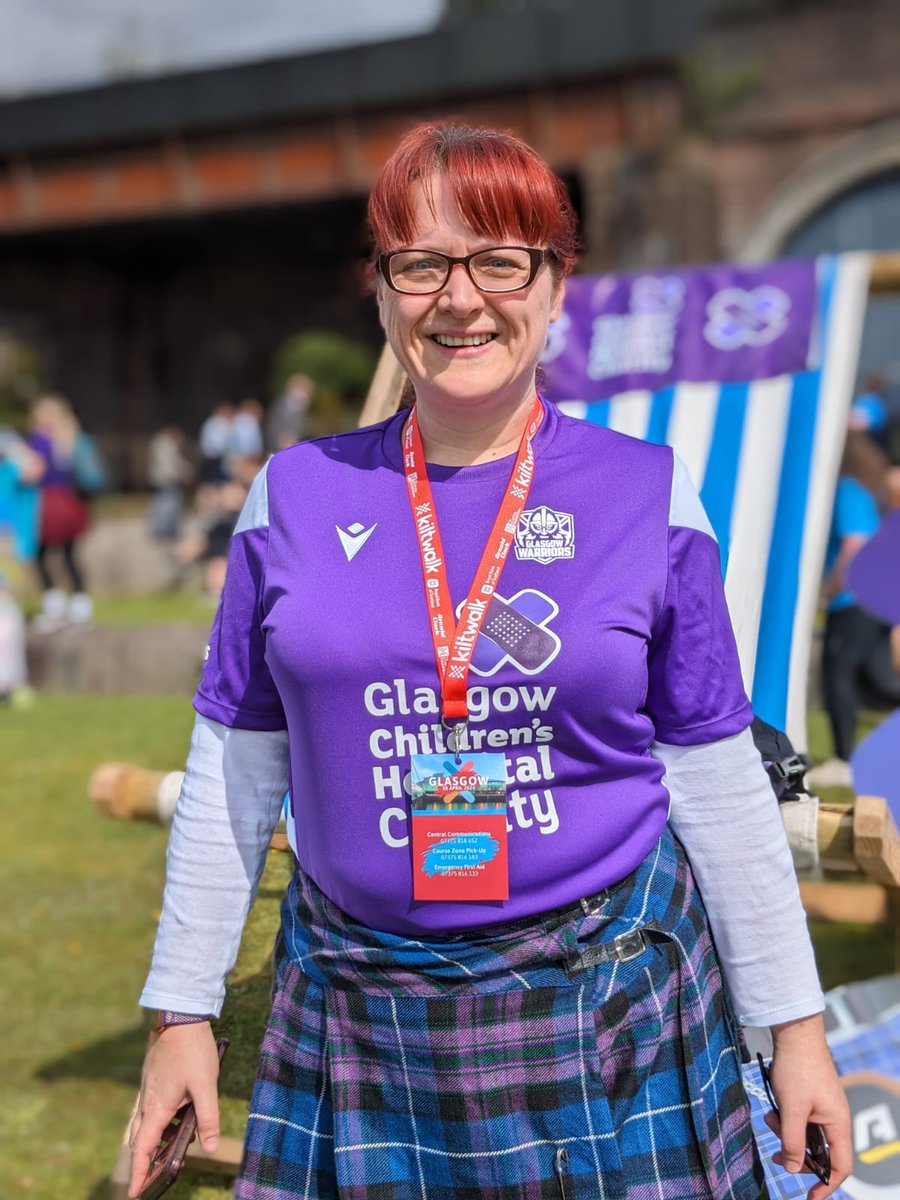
(748, 372)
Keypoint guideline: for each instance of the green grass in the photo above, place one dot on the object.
(81, 895)
(186, 605)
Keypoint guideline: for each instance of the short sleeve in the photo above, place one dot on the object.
(695, 692)
(236, 687)
(855, 510)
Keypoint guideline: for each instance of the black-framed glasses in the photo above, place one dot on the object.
(499, 269)
(818, 1152)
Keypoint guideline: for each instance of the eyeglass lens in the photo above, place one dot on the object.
(500, 269)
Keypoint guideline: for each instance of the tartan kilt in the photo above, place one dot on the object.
(538, 1060)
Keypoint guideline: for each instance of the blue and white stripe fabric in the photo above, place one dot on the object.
(764, 456)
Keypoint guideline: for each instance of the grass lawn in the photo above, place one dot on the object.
(81, 896)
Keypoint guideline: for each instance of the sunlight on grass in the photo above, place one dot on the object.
(81, 894)
(80, 897)
(155, 608)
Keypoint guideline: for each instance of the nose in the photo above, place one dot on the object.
(460, 296)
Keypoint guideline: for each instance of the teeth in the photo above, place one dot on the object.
(477, 339)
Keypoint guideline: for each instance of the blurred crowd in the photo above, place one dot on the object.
(50, 473)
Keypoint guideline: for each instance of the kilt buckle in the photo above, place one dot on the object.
(629, 945)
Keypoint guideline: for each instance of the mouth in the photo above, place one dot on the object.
(469, 339)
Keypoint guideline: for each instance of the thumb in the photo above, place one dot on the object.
(206, 1107)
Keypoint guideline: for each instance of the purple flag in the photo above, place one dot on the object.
(721, 323)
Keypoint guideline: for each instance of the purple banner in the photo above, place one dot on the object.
(720, 323)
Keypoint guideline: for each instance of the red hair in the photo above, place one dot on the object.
(502, 187)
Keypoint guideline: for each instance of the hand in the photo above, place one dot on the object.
(807, 1088)
(181, 1064)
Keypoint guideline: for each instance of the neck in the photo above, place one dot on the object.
(454, 438)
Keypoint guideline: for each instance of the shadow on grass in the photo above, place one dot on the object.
(119, 1056)
(186, 1186)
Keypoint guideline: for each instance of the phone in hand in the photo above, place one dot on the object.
(171, 1149)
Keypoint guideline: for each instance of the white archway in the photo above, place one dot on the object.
(855, 159)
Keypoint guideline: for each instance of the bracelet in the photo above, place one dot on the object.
(166, 1019)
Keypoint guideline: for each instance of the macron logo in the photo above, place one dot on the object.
(354, 537)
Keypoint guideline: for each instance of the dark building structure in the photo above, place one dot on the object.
(160, 238)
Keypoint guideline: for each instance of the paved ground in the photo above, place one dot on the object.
(120, 558)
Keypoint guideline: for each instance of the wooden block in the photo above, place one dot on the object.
(861, 903)
(225, 1159)
(876, 841)
(834, 834)
(118, 1181)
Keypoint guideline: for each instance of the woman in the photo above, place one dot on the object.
(65, 514)
(857, 646)
(430, 1037)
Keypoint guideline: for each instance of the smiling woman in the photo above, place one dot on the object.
(516, 994)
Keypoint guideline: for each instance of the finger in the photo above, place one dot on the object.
(206, 1106)
(771, 1119)
(841, 1152)
(793, 1142)
(146, 1132)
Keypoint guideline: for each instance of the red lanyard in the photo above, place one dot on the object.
(454, 642)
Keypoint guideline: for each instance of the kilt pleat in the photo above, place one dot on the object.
(520, 1062)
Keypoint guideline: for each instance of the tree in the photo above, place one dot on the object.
(340, 368)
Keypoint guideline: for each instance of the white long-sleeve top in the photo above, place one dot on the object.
(722, 809)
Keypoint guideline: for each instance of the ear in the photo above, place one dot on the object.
(379, 300)
(556, 299)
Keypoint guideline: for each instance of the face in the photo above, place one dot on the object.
(500, 370)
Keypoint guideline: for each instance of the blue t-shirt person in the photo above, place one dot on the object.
(855, 514)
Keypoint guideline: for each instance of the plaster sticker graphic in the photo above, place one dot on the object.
(515, 631)
(544, 535)
(738, 318)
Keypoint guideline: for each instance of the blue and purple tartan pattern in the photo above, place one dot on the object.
(496, 1065)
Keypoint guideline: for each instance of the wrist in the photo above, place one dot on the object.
(167, 1019)
(803, 1032)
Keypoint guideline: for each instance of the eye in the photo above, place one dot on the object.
(412, 264)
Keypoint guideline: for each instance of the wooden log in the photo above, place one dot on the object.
(125, 791)
(385, 389)
(835, 837)
(876, 841)
(861, 903)
(118, 1181)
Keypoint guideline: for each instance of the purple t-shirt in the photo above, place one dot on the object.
(322, 629)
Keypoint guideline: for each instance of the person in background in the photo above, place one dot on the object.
(169, 472)
(215, 443)
(56, 436)
(525, 614)
(288, 417)
(217, 515)
(857, 646)
(246, 440)
(20, 473)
